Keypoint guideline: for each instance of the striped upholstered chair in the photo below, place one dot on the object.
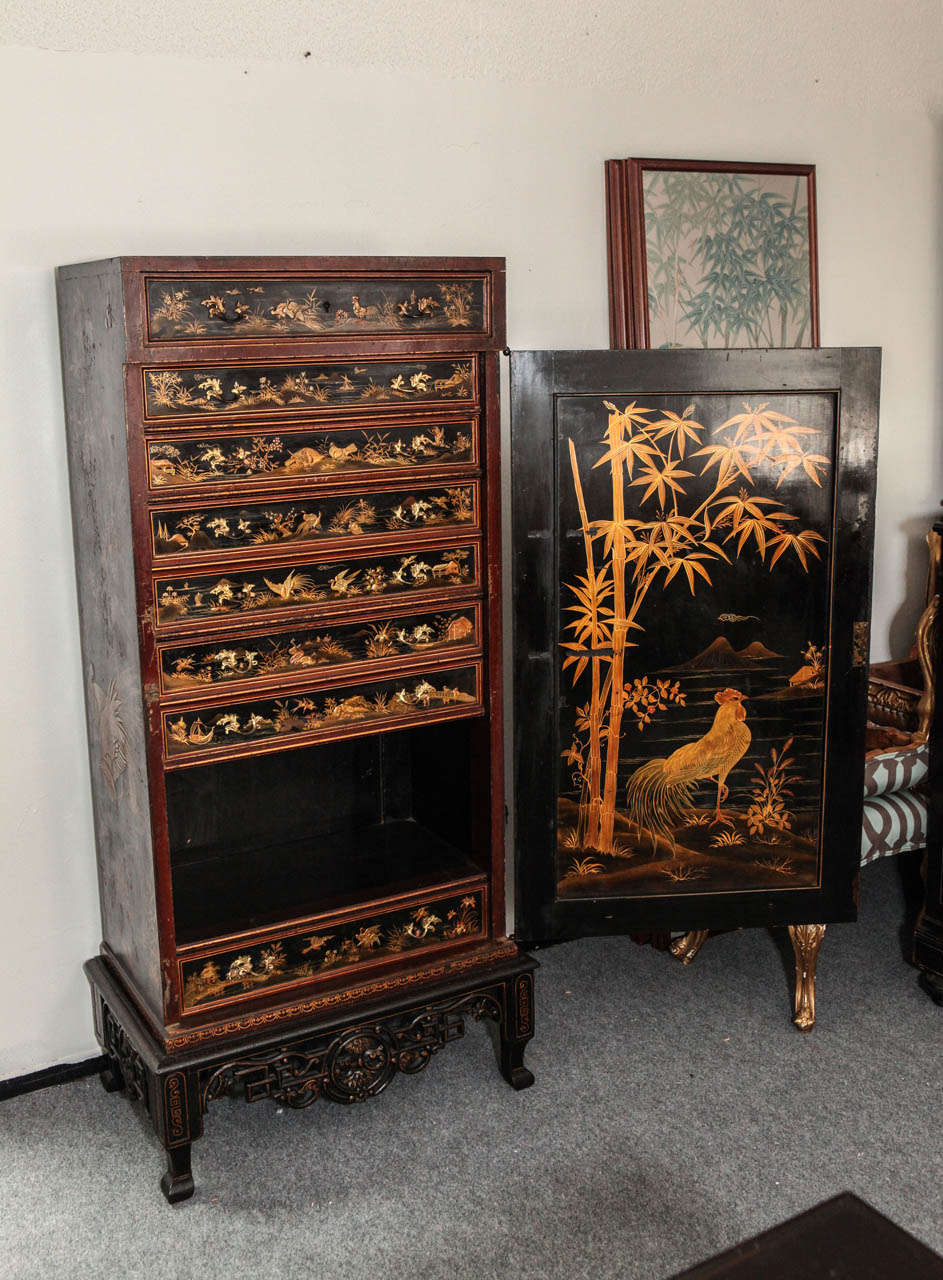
(900, 708)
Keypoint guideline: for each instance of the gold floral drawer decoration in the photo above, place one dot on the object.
(264, 525)
(287, 456)
(219, 976)
(314, 715)
(217, 391)
(184, 531)
(305, 651)
(237, 308)
(338, 581)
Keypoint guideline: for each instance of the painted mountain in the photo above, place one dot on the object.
(720, 655)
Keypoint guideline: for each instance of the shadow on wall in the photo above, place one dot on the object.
(913, 587)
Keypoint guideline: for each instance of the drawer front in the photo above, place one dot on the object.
(357, 386)
(328, 946)
(303, 652)
(321, 585)
(330, 452)
(268, 527)
(301, 717)
(240, 308)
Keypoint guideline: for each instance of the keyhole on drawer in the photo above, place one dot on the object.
(325, 305)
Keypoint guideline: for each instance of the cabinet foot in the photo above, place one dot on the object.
(177, 1183)
(806, 943)
(512, 1064)
(110, 1077)
(932, 984)
(686, 948)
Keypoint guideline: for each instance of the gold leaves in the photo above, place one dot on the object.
(681, 429)
(762, 436)
(592, 626)
(802, 543)
(660, 481)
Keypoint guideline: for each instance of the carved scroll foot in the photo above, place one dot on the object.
(686, 948)
(177, 1183)
(806, 943)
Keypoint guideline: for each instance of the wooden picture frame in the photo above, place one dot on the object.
(667, 233)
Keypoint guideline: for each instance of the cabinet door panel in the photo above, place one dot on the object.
(694, 569)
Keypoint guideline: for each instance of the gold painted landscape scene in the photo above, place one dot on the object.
(693, 643)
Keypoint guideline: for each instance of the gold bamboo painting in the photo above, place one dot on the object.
(693, 658)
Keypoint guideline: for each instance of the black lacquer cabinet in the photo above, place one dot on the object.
(692, 567)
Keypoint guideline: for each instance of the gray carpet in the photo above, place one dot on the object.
(675, 1112)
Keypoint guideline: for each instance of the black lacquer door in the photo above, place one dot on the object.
(692, 567)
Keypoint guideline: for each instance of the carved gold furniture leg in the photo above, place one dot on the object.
(806, 943)
(686, 948)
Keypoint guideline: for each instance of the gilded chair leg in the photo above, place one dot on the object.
(806, 943)
(686, 948)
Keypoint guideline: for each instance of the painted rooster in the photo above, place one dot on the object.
(658, 795)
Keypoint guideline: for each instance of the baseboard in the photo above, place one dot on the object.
(50, 1075)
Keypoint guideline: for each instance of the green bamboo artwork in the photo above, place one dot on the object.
(728, 259)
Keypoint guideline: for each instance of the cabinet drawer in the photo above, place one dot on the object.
(326, 452)
(267, 527)
(321, 586)
(240, 308)
(330, 945)
(399, 640)
(212, 392)
(265, 724)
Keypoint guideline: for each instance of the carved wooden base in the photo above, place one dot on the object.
(806, 943)
(346, 1061)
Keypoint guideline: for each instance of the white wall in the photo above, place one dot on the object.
(413, 127)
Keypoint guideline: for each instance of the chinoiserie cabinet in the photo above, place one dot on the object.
(285, 493)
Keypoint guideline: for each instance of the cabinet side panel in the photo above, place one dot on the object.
(91, 324)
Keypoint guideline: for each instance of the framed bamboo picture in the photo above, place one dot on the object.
(711, 253)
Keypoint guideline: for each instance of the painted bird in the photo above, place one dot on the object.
(658, 795)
